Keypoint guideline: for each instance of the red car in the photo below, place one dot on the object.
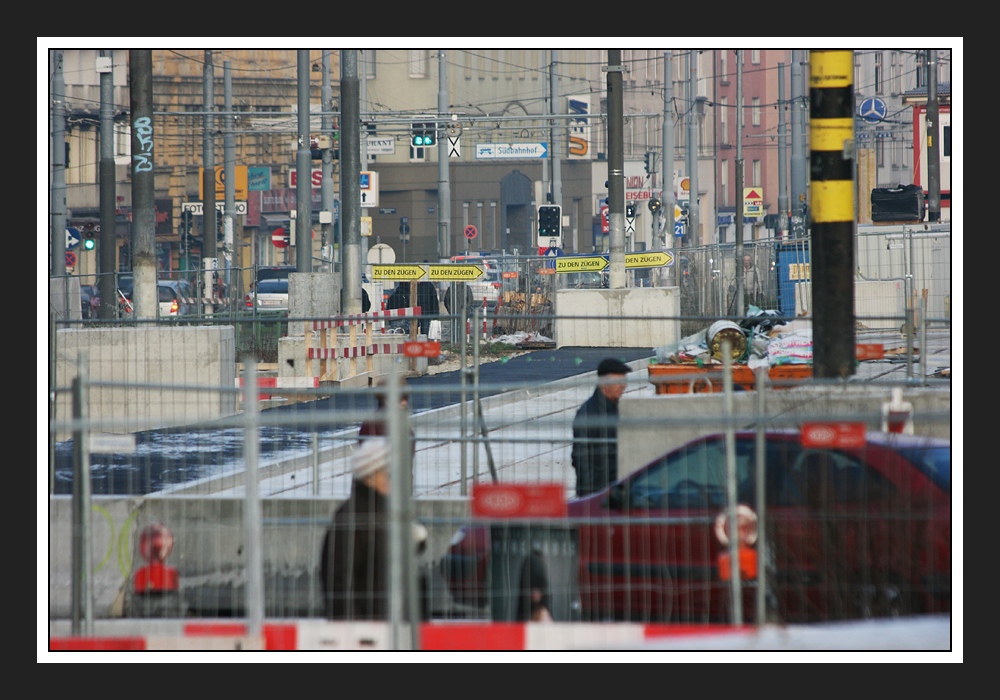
(850, 533)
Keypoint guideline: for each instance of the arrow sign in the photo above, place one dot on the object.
(398, 272)
(511, 150)
(456, 273)
(656, 258)
(573, 263)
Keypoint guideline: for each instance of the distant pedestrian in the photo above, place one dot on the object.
(354, 561)
(378, 426)
(595, 430)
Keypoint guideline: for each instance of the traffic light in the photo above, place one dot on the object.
(88, 237)
(549, 221)
(630, 211)
(654, 204)
(647, 162)
(423, 134)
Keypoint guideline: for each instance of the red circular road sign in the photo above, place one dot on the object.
(70, 258)
(279, 238)
(470, 232)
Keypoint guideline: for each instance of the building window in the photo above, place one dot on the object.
(857, 71)
(894, 73)
(756, 174)
(418, 63)
(724, 182)
(724, 119)
(878, 73)
(724, 67)
(368, 56)
(755, 111)
(755, 56)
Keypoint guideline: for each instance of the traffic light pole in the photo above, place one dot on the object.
(106, 282)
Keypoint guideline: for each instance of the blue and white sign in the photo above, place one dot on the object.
(678, 228)
(72, 238)
(872, 110)
(511, 150)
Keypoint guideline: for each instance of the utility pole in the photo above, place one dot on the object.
(554, 138)
(326, 188)
(350, 178)
(782, 154)
(208, 247)
(667, 181)
(363, 142)
(933, 145)
(738, 263)
(107, 249)
(303, 170)
(694, 217)
(444, 182)
(616, 171)
(229, 169)
(58, 233)
(798, 222)
(831, 97)
(144, 297)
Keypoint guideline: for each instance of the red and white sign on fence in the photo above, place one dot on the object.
(833, 434)
(519, 500)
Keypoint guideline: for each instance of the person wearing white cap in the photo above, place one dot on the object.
(354, 560)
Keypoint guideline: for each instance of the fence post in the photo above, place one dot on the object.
(734, 526)
(83, 569)
(252, 532)
(761, 502)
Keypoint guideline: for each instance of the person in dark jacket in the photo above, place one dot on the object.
(595, 430)
(354, 562)
(427, 300)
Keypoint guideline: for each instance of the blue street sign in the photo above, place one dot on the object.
(72, 238)
(678, 228)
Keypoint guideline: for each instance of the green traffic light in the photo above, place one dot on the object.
(89, 244)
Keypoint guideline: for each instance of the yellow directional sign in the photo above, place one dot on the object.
(399, 272)
(456, 273)
(654, 258)
(568, 263)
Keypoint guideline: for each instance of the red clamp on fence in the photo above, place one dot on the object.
(155, 543)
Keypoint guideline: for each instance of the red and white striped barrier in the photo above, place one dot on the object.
(324, 635)
(355, 319)
(281, 383)
(328, 342)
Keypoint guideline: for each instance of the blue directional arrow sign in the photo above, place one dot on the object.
(72, 238)
(511, 150)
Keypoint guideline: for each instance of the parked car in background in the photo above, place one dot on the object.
(273, 272)
(176, 298)
(589, 279)
(851, 533)
(269, 295)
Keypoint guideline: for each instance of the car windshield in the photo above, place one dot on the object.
(273, 286)
(166, 293)
(934, 461)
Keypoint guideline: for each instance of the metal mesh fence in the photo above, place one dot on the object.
(169, 438)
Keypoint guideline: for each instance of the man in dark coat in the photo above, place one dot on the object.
(595, 430)
(427, 300)
(354, 562)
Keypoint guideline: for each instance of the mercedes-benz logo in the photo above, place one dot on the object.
(872, 110)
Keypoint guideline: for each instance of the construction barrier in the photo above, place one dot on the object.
(329, 348)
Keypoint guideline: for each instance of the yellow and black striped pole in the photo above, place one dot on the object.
(831, 192)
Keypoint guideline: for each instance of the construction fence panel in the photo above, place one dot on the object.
(169, 440)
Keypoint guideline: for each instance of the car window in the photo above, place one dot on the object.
(821, 478)
(273, 286)
(165, 293)
(694, 477)
(934, 462)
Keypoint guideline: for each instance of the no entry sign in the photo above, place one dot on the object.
(279, 238)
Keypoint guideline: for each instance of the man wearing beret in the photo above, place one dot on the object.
(595, 430)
